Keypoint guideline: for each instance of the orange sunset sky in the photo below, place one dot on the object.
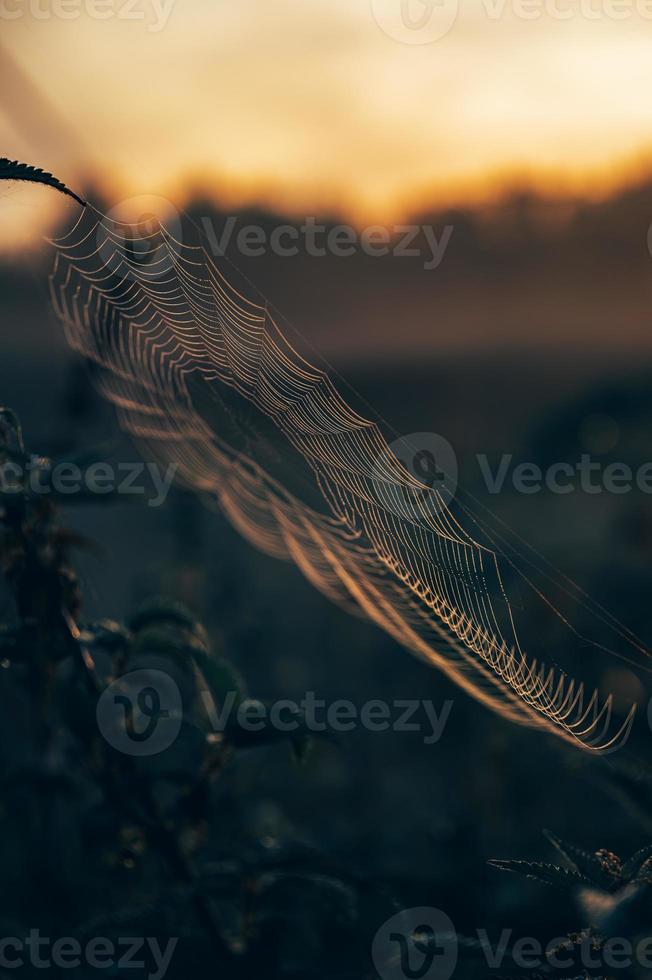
(321, 104)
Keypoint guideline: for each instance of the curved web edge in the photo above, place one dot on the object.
(385, 547)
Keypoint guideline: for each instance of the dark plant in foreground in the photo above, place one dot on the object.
(96, 840)
(615, 898)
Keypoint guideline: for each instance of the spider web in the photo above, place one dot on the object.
(181, 352)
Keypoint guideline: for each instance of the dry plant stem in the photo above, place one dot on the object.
(46, 624)
(161, 836)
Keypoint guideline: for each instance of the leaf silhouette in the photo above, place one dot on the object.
(633, 867)
(14, 170)
(585, 863)
(550, 874)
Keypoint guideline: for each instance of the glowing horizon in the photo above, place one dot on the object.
(312, 107)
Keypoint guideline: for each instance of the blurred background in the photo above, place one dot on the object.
(530, 138)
